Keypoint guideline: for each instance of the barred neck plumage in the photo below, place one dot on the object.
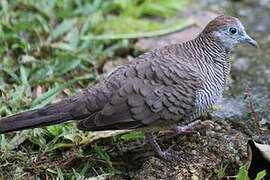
(214, 66)
(211, 47)
(210, 53)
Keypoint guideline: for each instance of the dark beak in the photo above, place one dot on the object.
(251, 41)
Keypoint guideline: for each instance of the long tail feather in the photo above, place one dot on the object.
(49, 115)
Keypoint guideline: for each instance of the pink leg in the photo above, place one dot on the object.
(164, 154)
(192, 128)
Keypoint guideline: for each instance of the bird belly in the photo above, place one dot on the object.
(158, 127)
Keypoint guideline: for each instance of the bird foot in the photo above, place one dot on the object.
(169, 156)
(193, 128)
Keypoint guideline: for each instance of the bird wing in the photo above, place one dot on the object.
(140, 102)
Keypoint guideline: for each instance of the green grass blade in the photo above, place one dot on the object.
(243, 173)
(13, 75)
(23, 75)
(47, 97)
(181, 25)
(221, 171)
(69, 65)
(133, 135)
(61, 29)
(74, 40)
(261, 175)
(3, 142)
(60, 174)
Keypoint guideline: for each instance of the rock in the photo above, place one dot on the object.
(241, 64)
(112, 64)
(186, 34)
(230, 108)
(194, 177)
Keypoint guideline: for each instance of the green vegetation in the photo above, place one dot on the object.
(243, 174)
(48, 51)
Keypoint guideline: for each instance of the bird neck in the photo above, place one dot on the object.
(213, 48)
(214, 53)
(207, 40)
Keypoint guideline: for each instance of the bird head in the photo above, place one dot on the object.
(228, 31)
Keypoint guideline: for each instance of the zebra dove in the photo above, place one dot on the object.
(157, 90)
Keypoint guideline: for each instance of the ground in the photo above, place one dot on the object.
(44, 64)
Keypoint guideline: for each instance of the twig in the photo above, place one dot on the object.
(18, 139)
(180, 26)
(251, 108)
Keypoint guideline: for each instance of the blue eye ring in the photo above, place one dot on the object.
(233, 30)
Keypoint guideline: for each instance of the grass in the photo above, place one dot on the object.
(45, 56)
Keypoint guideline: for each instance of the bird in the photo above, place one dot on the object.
(158, 90)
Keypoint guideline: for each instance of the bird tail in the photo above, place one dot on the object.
(49, 115)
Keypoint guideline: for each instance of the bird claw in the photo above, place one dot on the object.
(191, 129)
(171, 156)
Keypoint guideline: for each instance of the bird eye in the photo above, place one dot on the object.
(232, 30)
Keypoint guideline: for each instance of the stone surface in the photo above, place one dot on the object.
(230, 108)
(241, 64)
(201, 19)
(112, 64)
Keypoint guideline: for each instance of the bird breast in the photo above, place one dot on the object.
(214, 82)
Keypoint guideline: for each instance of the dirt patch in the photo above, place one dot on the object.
(202, 157)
